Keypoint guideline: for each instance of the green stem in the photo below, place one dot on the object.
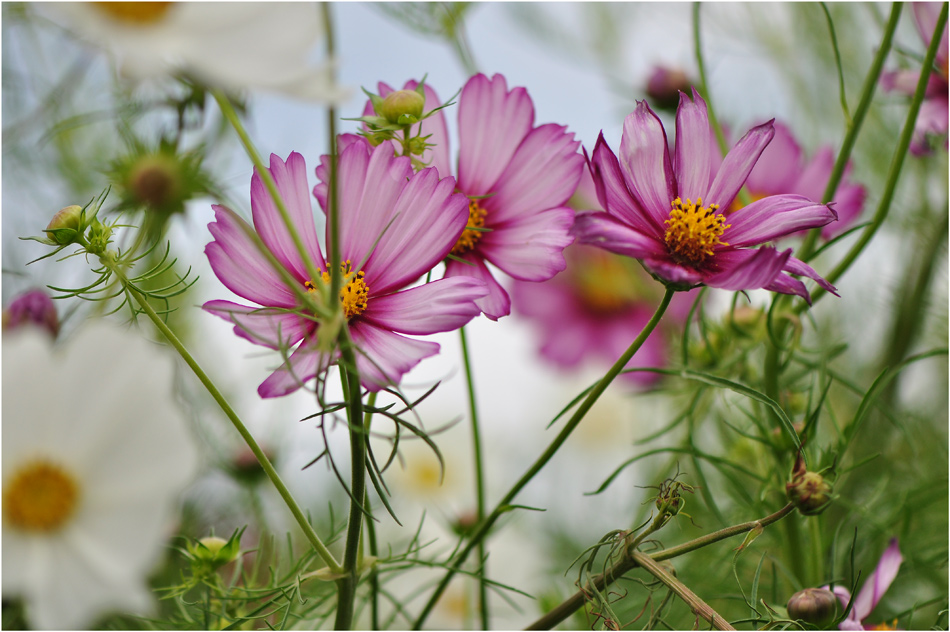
(266, 465)
(371, 534)
(346, 586)
(867, 94)
(479, 479)
(504, 505)
(628, 563)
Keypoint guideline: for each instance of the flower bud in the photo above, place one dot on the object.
(32, 308)
(664, 87)
(155, 181)
(816, 606)
(402, 107)
(808, 491)
(211, 553)
(65, 226)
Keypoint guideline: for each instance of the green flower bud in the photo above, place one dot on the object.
(211, 553)
(808, 491)
(403, 107)
(816, 606)
(66, 225)
(155, 180)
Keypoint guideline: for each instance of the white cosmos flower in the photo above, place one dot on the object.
(230, 45)
(95, 452)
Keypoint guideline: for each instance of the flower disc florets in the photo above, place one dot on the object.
(354, 294)
(41, 497)
(693, 231)
(472, 232)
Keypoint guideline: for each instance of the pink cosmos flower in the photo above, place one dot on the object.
(664, 212)
(395, 225)
(871, 592)
(35, 308)
(517, 178)
(782, 168)
(935, 110)
(596, 306)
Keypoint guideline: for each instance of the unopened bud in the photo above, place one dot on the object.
(816, 606)
(664, 87)
(402, 107)
(32, 308)
(808, 491)
(211, 553)
(65, 226)
(156, 182)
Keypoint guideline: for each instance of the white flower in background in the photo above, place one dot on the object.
(95, 452)
(230, 45)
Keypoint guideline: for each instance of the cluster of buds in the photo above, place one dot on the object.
(394, 117)
(808, 491)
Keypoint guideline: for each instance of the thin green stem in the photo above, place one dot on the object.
(346, 586)
(371, 533)
(897, 161)
(628, 563)
(834, 45)
(479, 480)
(854, 126)
(504, 505)
(266, 465)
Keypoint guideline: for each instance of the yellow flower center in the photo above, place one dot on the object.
(694, 230)
(41, 497)
(354, 294)
(884, 626)
(137, 13)
(471, 234)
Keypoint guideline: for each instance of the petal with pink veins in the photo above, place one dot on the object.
(737, 165)
(383, 357)
(530, 247)
(692, 153)
(645, 161)
(672, 272)
(796, 266)
(239, 265)
(615, 197)
(492, 123)
(266, 326)
(605, 231)
(291, 181)
(302, 366)
(497, 302)
(441, 305)
(747, 269)
(542, 174)
(774, 217)
(323, 169)
(880, 580)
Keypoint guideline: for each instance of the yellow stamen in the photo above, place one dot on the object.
(137, 13)
(469, 237)
(41, 497)
(354, 294)
(693, 231)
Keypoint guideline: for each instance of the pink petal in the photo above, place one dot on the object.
(692, 157)
(848, 204)
(291, 181)
(800, 268)
(383, 357)
(529, 247)
(302, 366)
(747, 269)
(672, 272)
(779, 167)
(605, 231)
(615, 197)
(267, 327)
(932, 119)
(784, 284)
(497, 303)
(323, 169)
(773, 217)
(813, 179)
(239, 265)
(418, 231)
(880, 580)
(542, 174)
(645, 162)
(371, 182)
(737, 165)
(441, 305)
(492, 123)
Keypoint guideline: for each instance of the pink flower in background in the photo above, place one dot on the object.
(871, 592)
(395, 225)
(665, 211)
(34, 307)
(935, 110)
(596, 306)
(517, 178)
(782, 168)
